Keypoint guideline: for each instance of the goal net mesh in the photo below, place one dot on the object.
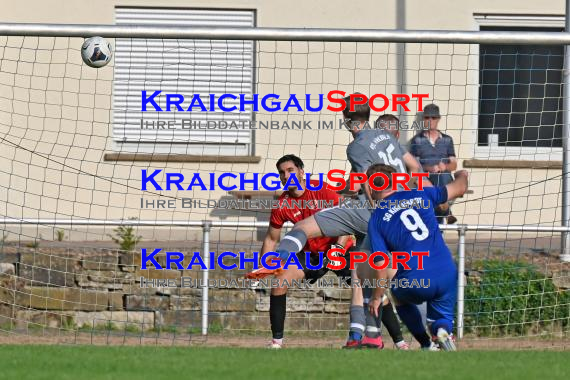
(75, 142)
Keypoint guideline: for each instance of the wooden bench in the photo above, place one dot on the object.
(252, 194)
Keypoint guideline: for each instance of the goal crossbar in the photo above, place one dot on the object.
(286, 34)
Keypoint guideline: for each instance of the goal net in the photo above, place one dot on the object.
(76, 143)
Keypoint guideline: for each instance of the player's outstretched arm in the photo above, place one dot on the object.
(452, 164)
(411, 163)
(414, 166)
(271, 239)
(366, 272)
(459, 186)
(269, 243)
(343, 240)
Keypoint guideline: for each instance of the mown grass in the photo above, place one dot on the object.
(132, 362)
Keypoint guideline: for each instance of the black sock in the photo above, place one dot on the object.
(391, 322)
(277, 308)
(423, 338)
(410, 315)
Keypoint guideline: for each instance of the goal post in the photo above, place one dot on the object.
(76, 143)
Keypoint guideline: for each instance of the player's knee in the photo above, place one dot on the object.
(391, 272)
(360, 272)
(308, 227)
(279, 285)
(278, 291)
(353, 274)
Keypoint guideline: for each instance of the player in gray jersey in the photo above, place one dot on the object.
(373, 145)
(370, 146)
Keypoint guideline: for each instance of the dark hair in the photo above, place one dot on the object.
(381, 168)
(291, 157)
(361, 111)
(389, 120)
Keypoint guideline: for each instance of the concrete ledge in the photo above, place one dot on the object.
(150, 157)
(252, 194)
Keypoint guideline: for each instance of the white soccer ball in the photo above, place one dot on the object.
(96, 52)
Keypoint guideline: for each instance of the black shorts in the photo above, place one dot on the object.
(313, 275)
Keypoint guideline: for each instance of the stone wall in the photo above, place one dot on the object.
(90, 288)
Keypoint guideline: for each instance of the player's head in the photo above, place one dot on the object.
(288, 165)
(361, 113)
(380, 181)
(390, 124)
(431, 116)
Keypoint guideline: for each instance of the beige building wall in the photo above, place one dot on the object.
(59, 109)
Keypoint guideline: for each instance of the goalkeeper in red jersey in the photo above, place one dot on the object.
(290, 212)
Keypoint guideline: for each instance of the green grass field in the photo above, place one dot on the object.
(96, 362)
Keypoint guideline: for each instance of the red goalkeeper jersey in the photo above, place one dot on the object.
(291, 212)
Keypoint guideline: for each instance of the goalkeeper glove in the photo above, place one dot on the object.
(326, 260)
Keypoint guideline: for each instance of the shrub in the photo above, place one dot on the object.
(125, 237)
(513, 298)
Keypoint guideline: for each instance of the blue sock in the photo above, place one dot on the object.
(353, 335)
(410, 315)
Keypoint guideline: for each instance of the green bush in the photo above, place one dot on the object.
(125, 237)
(513, 298)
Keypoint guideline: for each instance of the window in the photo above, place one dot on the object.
(520, 93)
(186, 67)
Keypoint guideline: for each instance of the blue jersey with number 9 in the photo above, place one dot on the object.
(412, 229)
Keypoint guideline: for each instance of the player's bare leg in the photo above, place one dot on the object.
(356, 298)
(278, 303)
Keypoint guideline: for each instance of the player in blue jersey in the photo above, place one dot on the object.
(411, 226)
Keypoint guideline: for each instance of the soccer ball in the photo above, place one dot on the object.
(96, 52)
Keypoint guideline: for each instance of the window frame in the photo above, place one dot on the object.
(504, 152)
(206, 148)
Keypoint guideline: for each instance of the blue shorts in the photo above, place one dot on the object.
(440, 294)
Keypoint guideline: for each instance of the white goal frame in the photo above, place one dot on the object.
(338, 35)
